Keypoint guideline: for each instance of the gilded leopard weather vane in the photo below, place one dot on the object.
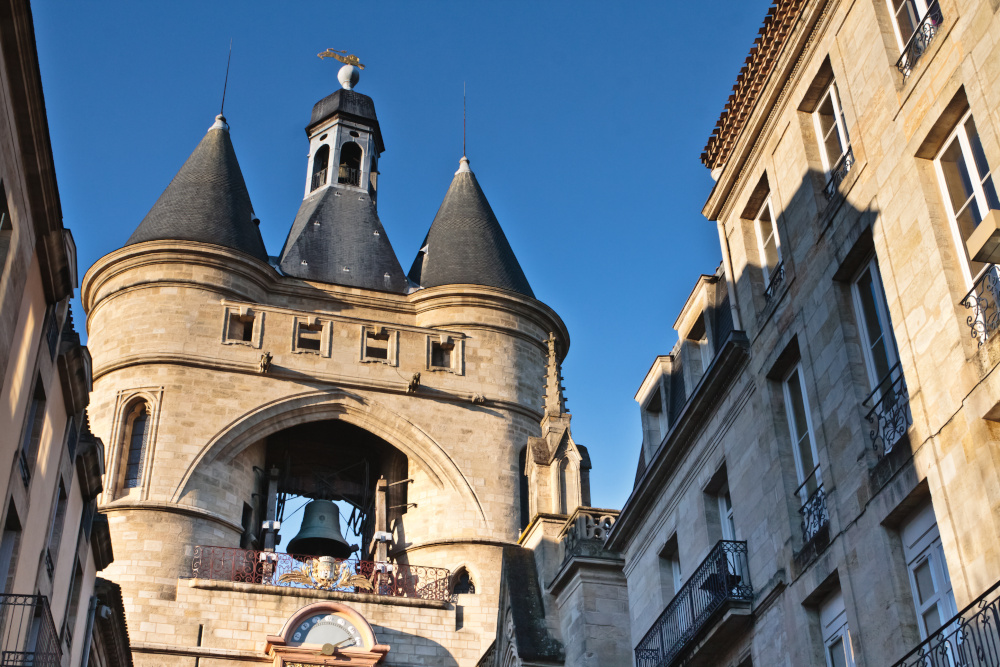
(343, 57)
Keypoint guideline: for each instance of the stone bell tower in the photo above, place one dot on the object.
(227, 382)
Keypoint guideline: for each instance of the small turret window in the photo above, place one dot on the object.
(320, 163)
(349, 171)
(135, 437)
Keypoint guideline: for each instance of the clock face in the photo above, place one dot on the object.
(324, 629)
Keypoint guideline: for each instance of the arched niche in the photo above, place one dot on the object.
(324, 630)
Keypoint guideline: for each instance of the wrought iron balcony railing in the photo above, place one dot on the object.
(813, 510)
(969, 639)
(774, 281)
(322, 573)
(319, 179)
(349, 175)
(27, 633)
(984, 302)
(839, 172)
(889, 415)
(920, 39)
(722, 577)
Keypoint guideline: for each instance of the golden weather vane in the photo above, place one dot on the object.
(342, 57)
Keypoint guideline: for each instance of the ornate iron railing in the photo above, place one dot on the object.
(27, 633)
(349, 175)
(889, 415)
(984, 302)
(920, 39)
(322, 573)
(774, 281)
(319, 179)
(971, 638)
(839, 172)
(722, 577)
(813, 510)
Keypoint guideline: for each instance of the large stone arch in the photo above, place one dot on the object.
(319, 405)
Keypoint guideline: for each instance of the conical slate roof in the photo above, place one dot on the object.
(337, 238)
(207, 201)
(465, 244)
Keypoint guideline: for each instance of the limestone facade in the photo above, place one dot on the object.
(850, 479)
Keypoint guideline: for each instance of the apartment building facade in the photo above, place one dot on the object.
(53, 541)
(818, 481)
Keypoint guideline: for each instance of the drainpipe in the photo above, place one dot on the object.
(88, 635)
(727, 264)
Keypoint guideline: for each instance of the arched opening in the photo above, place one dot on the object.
(134, 437)
(333, 461)
(462, 583)
(349, 172)
(321, 161)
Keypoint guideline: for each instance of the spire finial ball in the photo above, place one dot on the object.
(348, 76)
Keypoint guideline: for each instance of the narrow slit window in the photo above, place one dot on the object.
(136, 431)
(32, 434)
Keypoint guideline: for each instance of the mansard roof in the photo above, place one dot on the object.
(338, 238)
(207, 201)
(465, 244)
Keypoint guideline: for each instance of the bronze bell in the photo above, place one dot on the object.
(320, 533)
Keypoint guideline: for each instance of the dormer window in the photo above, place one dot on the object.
(349, 171)
(321, 161)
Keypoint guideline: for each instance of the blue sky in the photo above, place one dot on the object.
(585, 125)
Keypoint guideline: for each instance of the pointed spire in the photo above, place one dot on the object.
(465, 244)
(555, 401)
(207, 201)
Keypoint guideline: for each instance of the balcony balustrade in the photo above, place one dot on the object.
(889, 415)
(349, 175)
(721, 581)
(920, 39)
(839, 172)
(969, 639)
(27, 633)
(323, 573)
(984, 302)
(775, 280)
(319, 179)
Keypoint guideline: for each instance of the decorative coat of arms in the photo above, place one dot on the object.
(327, 573)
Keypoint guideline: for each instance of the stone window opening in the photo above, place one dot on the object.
(240, 327)
(760, 212)
(671, 578)
(321, 163)
(807, 468)
(831, 133)
(56, 528)
(10, 547)
(134, 443)
(654, 418)
(308, 337)
(32, 431)
(966, 182)
(441, 354)
(837, 647)
(378, 345)
(6, 230)
(927, 570)
(349, 170)
(463, 583)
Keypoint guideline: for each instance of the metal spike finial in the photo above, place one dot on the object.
(463, 120)
(225, 84)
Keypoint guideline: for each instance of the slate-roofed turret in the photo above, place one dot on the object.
(336, 236)
(465, 244)
(207, 201)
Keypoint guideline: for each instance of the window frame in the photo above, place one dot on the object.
(882, 310)
(769, 273)
(840, 125)
(131, 416)
(926, 547)
(922, 7)
(802, 475)
(726, 516)
(958, 132)
(840, 630)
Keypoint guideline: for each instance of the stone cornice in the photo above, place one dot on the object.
(263, 589)
(163, 506)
